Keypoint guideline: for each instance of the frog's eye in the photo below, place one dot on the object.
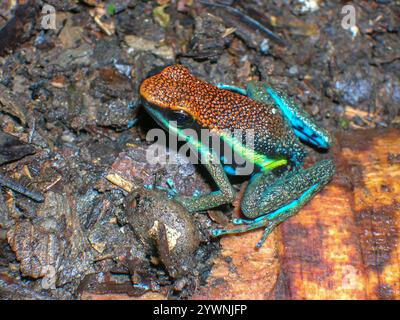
(182, 118)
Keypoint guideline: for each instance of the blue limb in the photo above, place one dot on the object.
(232, 88)
(303, 125)
(294, 205)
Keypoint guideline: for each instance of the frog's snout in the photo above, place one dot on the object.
(166, 89)
(155, 86)
(149, 89)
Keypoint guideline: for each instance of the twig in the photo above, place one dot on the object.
(247, 19)
(13, 185)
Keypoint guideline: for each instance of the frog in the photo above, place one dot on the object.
(280, 185)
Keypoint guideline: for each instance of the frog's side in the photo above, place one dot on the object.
(177, 101)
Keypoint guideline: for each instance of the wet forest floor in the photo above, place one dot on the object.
(73, 127)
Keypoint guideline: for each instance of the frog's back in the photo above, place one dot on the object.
(218, 109)
(211, 107)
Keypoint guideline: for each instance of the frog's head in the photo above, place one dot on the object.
(167, 95)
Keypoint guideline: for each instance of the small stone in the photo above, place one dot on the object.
(67, 137)
(293, 70)
(314, 109)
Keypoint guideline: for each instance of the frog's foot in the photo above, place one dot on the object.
(281, 200)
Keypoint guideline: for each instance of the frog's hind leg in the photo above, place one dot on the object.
(280, 198)
(272, 219)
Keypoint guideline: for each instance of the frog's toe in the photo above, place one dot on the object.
(246, 225)
(220, 232)
(217, 232)
(170, 189)
(270, 227)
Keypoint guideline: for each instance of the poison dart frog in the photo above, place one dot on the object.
(279, 185)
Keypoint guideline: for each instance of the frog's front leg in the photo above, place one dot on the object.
(269, 202)
(225, 194)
